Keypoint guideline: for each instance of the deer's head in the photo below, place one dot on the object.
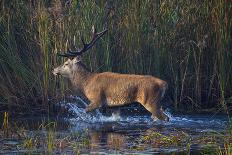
(74, 64)
(69, 66)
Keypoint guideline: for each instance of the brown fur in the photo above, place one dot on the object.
(115, 89)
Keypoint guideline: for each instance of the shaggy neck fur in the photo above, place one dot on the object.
(80, 76)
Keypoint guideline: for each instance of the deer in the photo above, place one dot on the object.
(109, 88)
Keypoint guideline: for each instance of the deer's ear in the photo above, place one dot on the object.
(77, 59)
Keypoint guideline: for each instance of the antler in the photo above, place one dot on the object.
(86, 46)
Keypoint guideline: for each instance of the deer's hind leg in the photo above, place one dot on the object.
(156, 111)
(153, 106)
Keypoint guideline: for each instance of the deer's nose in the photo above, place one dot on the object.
(55, 71)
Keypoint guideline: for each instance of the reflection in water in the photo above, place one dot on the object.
(108, 141)
(97, 134)
(116, 141)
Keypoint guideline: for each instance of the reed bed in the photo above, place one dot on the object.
(187, 43)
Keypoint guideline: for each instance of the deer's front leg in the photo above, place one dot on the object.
(92, 106)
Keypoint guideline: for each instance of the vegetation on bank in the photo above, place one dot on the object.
(187, 43)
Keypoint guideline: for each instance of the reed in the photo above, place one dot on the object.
(5, 125)
(51, 139)
(186, 43)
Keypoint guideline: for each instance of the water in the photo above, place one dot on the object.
(95, 133)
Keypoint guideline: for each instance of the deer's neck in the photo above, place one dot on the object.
(80, 77)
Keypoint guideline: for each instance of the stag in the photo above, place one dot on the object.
(112, 89)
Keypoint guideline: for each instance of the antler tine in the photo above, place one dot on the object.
(68, 55)
(86, 46)
(96, 37)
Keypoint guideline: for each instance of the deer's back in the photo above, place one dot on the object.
(118, 89)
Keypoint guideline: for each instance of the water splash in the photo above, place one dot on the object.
(92, 117)
(96, 117)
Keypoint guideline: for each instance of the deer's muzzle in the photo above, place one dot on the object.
(56, 72)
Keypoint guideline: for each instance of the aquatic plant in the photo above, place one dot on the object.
(28, 143)
(158, 139)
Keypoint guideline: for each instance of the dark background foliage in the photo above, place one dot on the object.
(185, 42)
